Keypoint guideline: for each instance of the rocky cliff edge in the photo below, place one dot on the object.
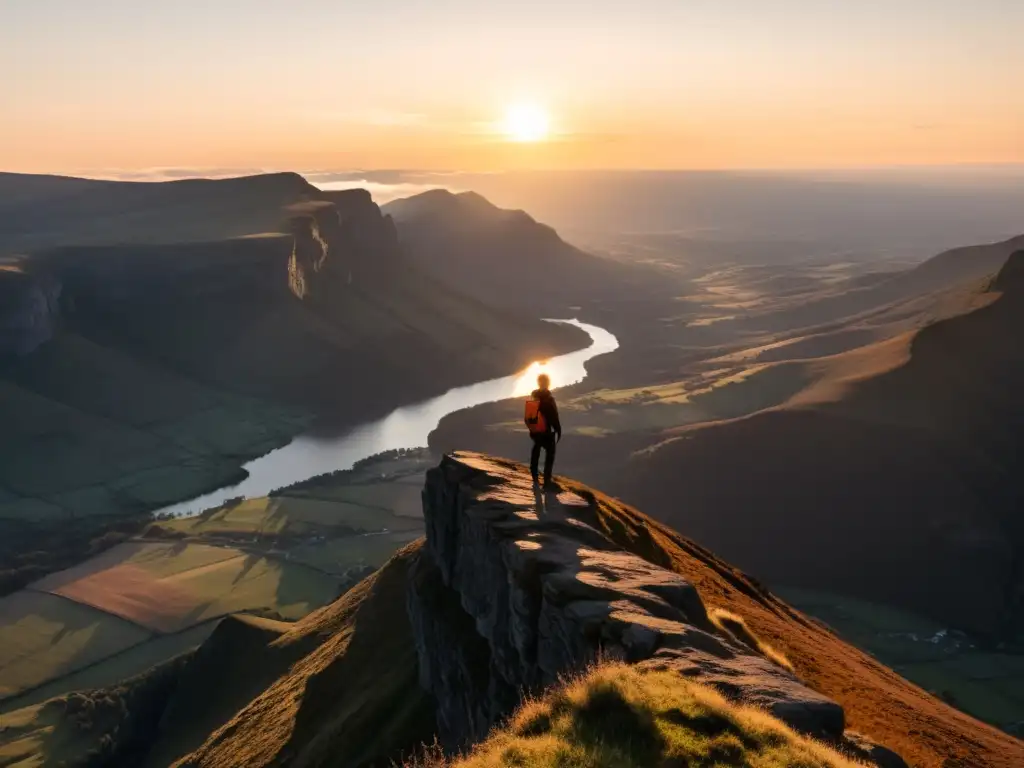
(517, 589)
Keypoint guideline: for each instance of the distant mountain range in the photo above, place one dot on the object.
(889, 471)
(44, 211)
(170, 353)
(506, 257)
(895, 475)
(154, 337)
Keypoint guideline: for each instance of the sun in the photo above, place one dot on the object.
(526, 123)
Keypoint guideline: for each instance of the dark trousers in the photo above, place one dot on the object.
(547, 442)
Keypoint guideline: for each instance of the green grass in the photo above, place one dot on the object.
(400, 498)
(32, 511)
(618, 717)
(109, 672)
(95, 431)
(340, 555)
(43, 636)
(286, 515)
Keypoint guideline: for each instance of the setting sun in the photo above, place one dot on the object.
(526, 123)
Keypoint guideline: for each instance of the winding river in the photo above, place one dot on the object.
(405, 427)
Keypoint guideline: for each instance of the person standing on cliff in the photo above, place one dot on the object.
(545, 429)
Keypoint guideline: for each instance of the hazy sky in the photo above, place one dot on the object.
(307, 84)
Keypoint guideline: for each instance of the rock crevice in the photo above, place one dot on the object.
(515, 590)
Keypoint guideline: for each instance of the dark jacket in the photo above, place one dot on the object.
(549, 410)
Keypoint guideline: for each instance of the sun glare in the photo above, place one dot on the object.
(526, 122)
(526, 382)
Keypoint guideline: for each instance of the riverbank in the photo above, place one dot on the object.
(405, 427)
(175, 446)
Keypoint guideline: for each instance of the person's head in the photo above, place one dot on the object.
(544, 381)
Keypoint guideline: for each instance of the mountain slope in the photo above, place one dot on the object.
(292, 316)
(931, 278)
(503, 256)
(342, 687)
(134, 376)
(918, 464)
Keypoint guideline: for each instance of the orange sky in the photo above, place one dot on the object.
(114, 84)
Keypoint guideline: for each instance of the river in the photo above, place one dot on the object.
(406, 427)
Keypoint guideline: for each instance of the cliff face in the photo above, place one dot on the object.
(339, 244)
(38, 212)
(509, 592)
(29, 311)
(515, 589)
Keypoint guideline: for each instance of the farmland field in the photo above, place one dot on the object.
(111, 671)
(402, 499)
(367, 511)
(340, 555)
(43, 636)
(149, 599)
(170, 587)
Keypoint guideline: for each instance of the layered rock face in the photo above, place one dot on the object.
(29, 311)
(338, 244)
(516, 589)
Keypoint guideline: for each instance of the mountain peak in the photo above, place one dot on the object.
(1011, 277)
(459, 208)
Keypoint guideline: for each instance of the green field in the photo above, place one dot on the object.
(43, 636)
(985, 684)
(32, 510)
(340, 555)
(360, 508)
(144, 601)
(401, 498)
(93, 431)
(170, 587)
(711, 395)
(117, 668)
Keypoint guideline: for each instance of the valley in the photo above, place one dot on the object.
(843, 429)
(146, 371)
(753, 416)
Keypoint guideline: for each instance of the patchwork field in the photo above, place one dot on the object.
(170, 587)
(115, 669)
(43, 636)
(381, 507)
(149, 599)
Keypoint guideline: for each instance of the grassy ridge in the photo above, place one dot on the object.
(618, 717)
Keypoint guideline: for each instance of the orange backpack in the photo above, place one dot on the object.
(535, 420)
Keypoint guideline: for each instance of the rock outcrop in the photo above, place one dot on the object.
(29, 311)
(339, 244)
(516, 589)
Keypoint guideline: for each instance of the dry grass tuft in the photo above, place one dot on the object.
(734, 625)
(618, 717)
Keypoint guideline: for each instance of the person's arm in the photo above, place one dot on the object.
(552, 417)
